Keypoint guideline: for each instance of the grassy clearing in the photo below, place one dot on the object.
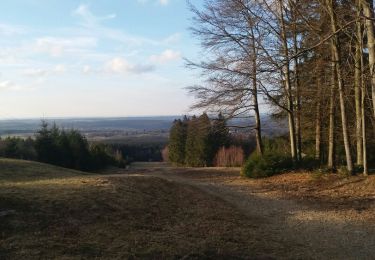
(18, 170)
(48, 212)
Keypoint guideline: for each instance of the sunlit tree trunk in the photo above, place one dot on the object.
(332, 122)
(287, 83)
(357, 94)
(254, 59)
(318, 120)
(368, 11)
(297, 86)
(362, 90)
(335, 45)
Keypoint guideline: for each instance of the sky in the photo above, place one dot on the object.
(95, 58)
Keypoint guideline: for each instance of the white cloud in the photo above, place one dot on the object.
(160, 2)
(86, 69)
(9, 85)
(11, 30)
(93, 26)
(164, 2)
(118, 65)
(5, 84)
(88, 18)
(174, 38)
(36, 72)
(142, 1)
(57, 46)
(41, 73)
(166, 56)
(121, 66)
(60, 68)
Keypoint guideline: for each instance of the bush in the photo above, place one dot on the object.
(309, 163)
(267, 165)
(165, 154)
(232, 156)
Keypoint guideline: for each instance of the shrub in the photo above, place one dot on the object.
(267, 165)
(232, 156)
(309, 163)
(165, 154)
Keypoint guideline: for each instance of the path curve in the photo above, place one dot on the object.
(314, 232)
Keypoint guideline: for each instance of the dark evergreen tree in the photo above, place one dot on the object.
(45, 145)
(198, 142)
(69, 148)
(177, 141)
(219, 136)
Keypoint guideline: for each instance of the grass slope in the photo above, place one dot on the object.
(49, 212)
(19, 170)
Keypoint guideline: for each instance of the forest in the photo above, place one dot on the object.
(61, 147)
(310, 62)
(201, 142)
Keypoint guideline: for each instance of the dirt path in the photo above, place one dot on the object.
(317, 232)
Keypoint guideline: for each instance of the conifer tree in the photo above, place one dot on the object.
(177, 141)
(219, 135)
(198, 149)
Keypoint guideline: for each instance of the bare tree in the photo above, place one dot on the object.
(228, 32)
(336, 57)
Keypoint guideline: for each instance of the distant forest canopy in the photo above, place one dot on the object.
(311, 61)
(90, 125)
(130, 126)
(66, 148)
(137, 138)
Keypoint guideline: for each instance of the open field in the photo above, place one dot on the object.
(73, 216)
(157, 211)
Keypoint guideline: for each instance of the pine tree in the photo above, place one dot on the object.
(177, 141)
(198, 149)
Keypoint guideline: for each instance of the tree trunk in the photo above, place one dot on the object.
(258, 127)
(287, 84)
(363, 114)
(297, 85)
(258, 131)
(332, 122)
(318, 123)
(357, 95)
(363, 97)
(335, 45)
(369, 12)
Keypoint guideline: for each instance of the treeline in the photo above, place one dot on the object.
(201, 141)
(311, 61)
(140, 152)
(65, 148)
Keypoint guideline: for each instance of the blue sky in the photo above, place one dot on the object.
(94, 58)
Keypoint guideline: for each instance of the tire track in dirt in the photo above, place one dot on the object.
(314, 233)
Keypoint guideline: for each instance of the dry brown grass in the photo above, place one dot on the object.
(330, 217)
(73, 216)
(155, 211)
(326, 189)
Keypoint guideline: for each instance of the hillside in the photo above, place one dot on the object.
(19, 170)
(156, 211)
(48, 212)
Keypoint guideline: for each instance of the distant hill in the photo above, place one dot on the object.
(25, 127)
(131, 124)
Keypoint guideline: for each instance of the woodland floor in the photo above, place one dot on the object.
(154, 211)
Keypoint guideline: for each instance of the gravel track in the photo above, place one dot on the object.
(314, 230)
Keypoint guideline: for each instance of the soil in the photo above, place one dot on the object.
(155, 211)
(318, 216)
